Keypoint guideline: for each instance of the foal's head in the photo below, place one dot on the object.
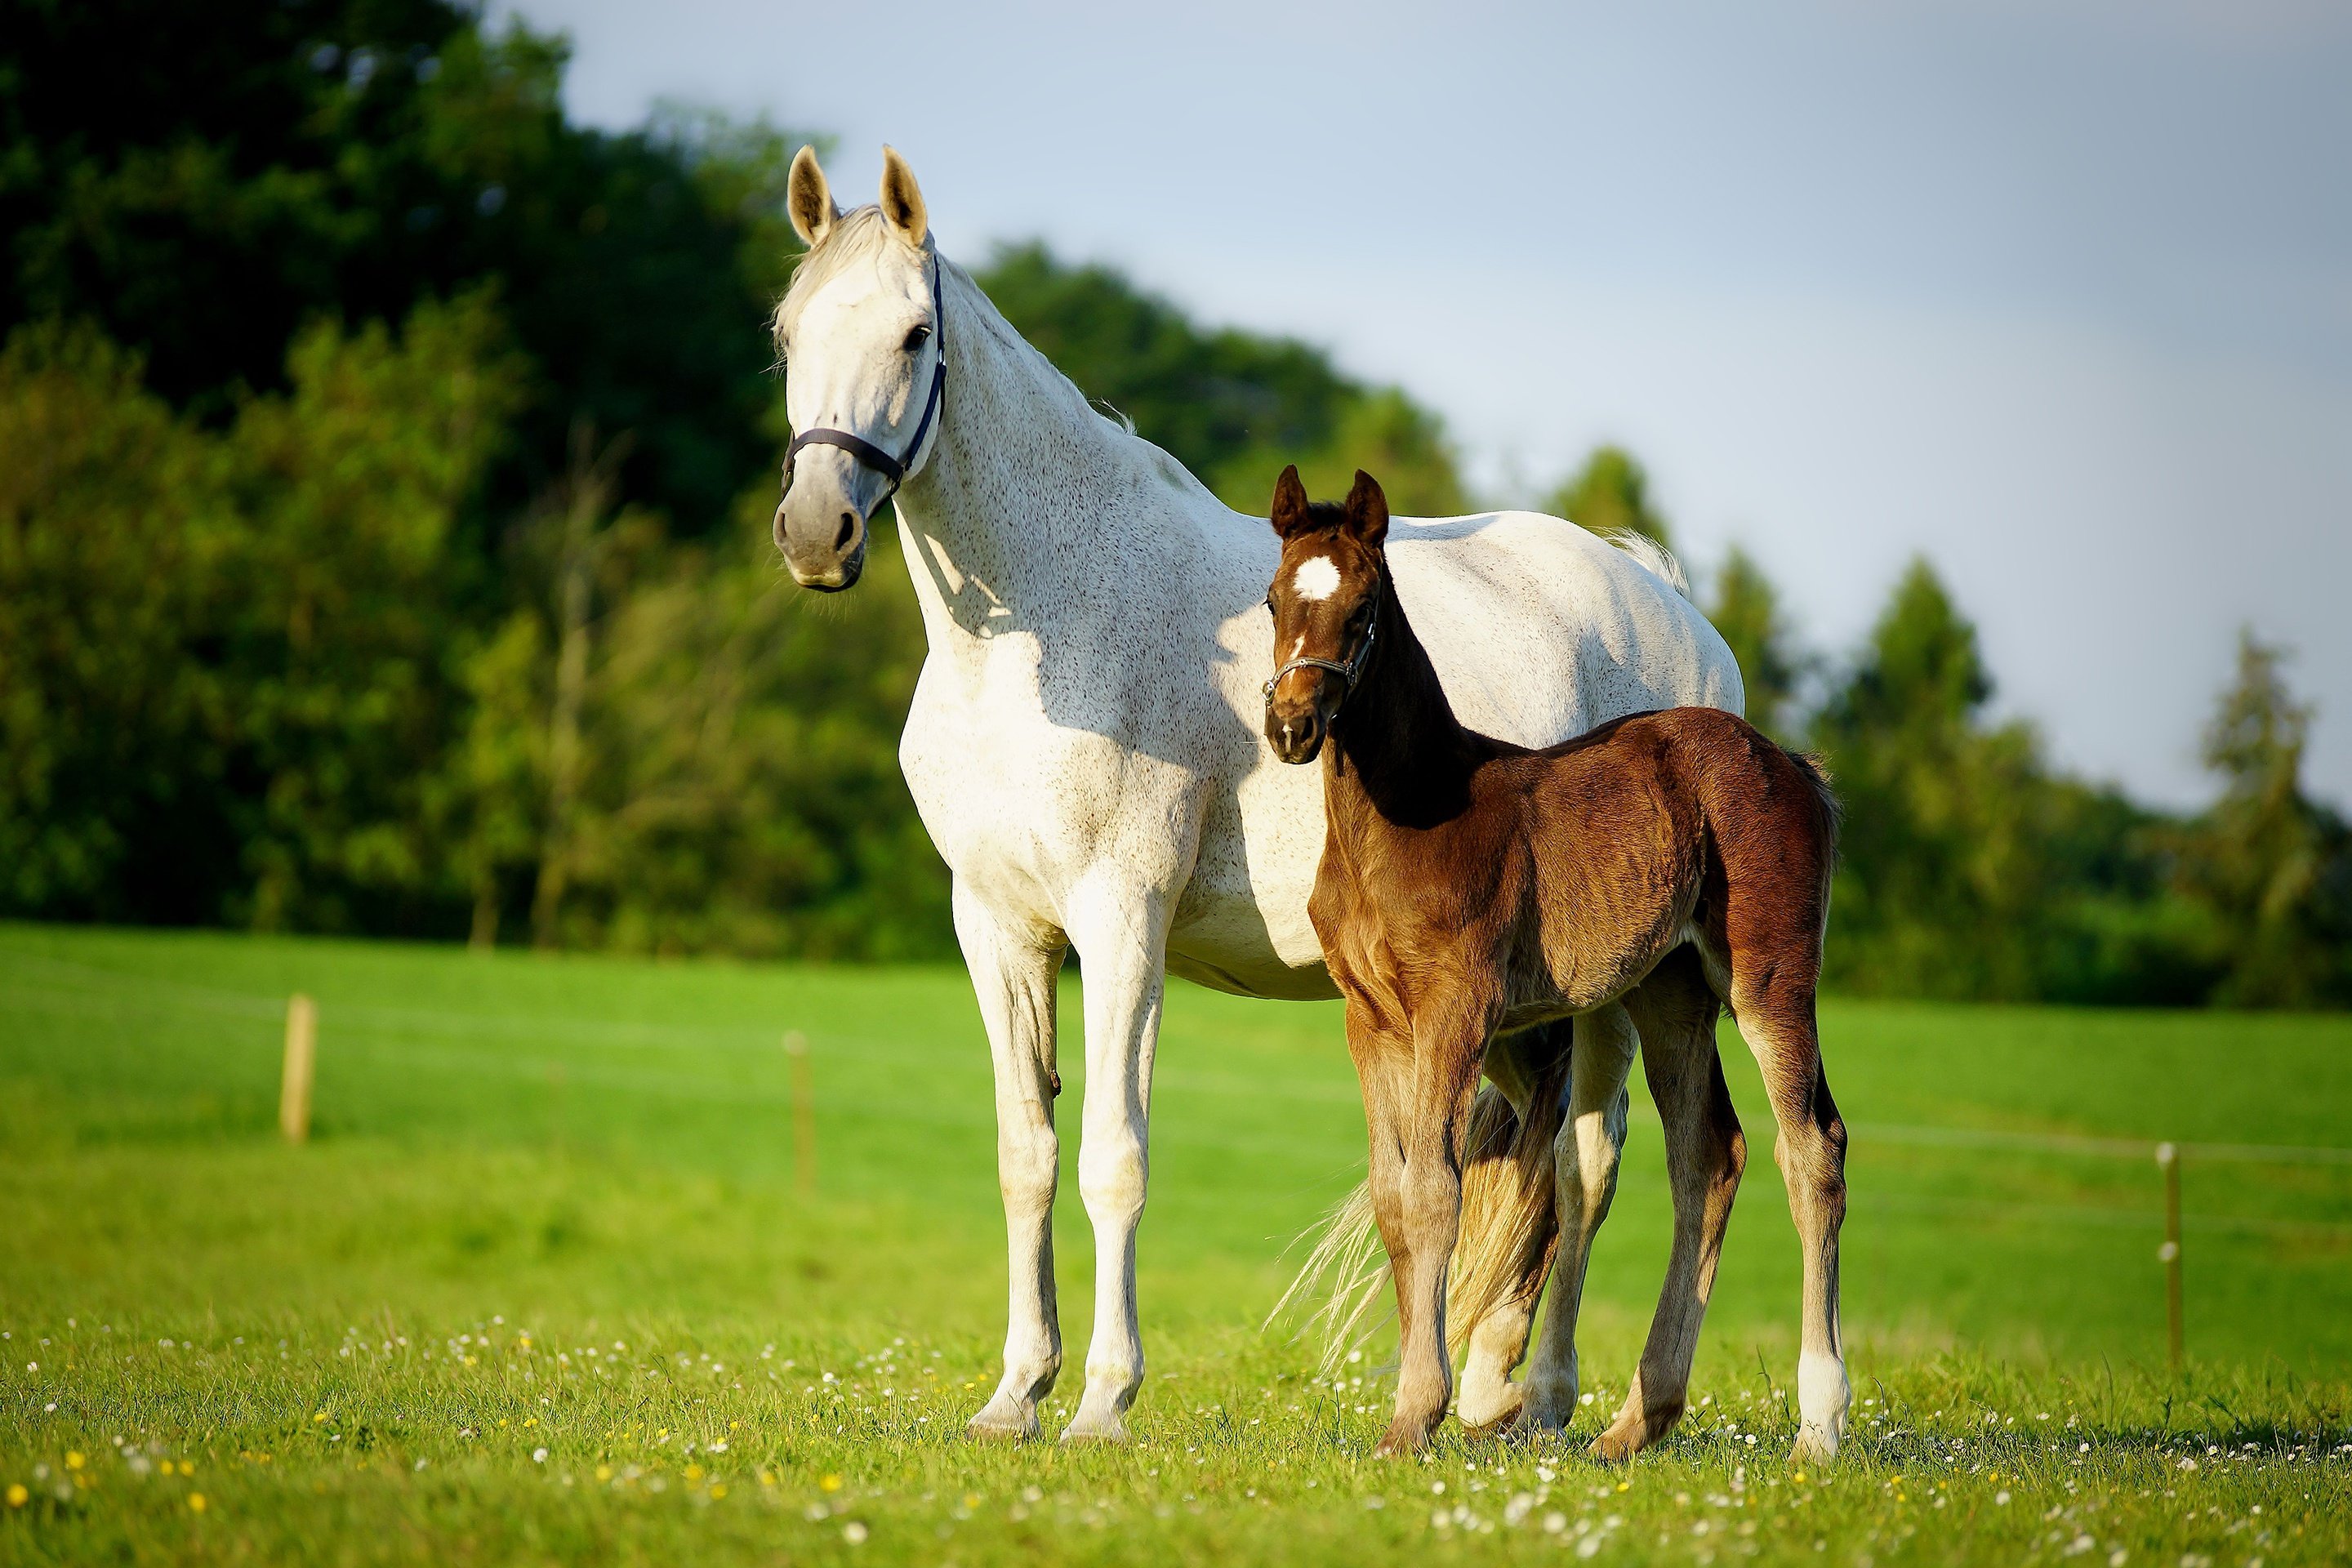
(1326, 602)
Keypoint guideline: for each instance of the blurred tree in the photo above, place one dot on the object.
(1745, 609)
(2273, 867)
(1385, 434)
(114, 526)
(258, 164)
(1611, 494)
(1202, 395)
(1937, 875)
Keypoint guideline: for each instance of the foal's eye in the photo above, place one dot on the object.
(917, 336)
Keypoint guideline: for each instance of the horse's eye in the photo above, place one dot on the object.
(917, 336)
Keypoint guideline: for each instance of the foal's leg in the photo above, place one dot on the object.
(1527, 1069)
(1584, 1176)
(1705, 1153)
(1012, 972)
(1448, 1040)
(1120, 933)
(1776, 1017)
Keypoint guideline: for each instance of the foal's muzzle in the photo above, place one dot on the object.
(1297, 729)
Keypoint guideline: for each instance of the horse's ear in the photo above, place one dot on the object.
(1368, 509)
(902, 199)
(809, 200)
(1289, 512)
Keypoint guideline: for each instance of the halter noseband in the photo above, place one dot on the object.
(1346, 673)
(891, 468)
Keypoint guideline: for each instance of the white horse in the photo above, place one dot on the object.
(1084, 744)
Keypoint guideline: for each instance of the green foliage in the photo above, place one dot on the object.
(236, 642)
(1382, 433)
(1611, 494)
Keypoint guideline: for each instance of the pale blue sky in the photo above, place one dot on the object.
(2059, 293)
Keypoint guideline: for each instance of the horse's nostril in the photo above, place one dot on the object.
(846, 531)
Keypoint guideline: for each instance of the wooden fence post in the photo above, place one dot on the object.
(301, 1066)
(803, 1113)
(2168, 1160)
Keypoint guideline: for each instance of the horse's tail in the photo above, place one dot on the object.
(1505, 1239)
(1653, 555)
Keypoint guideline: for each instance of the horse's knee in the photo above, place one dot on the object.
(1028, 1169)
(1111, 1183)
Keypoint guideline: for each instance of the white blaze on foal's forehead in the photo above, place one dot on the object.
(1315, 578)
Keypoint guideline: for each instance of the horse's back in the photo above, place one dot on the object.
(1540, 630)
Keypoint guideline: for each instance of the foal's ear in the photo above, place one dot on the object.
(1368, 509)
(1289, 512)
(809, 200)
(902, 199)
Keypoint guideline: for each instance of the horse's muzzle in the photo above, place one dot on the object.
(822, 534)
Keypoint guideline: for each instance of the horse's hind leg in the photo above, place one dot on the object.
(1705, 1153)
(1584, 1173)
(1775, 1018)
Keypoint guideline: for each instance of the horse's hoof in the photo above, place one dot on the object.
(1814, 1445)
(1083, 1432)
(1004, 1422)
(1398, 1443)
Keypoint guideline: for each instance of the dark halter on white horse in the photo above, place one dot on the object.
(1345, 672)
(891, 468)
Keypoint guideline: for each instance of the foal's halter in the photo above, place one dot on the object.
(1347, 671)
(891, 468)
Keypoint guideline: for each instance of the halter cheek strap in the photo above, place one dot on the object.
(891, 468)
(1345, 672)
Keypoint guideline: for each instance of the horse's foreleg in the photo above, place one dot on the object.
(1584, 1173)
(1705, 1153)
(1121, 940)
(1012, 974)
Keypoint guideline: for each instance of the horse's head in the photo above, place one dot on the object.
(865, 366)
(1326, 603)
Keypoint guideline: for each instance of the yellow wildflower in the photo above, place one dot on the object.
(74, 1461)
(830, 1483)
(17, 1496)
(196, 1502)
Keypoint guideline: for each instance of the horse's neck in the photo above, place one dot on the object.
(1397, 753)
(1011, 504)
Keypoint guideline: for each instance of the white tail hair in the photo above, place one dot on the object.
(1656, 557)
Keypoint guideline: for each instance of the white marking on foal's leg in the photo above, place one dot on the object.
(1315, 578)
(1822, 1396)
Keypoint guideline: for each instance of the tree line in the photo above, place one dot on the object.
(385, 470)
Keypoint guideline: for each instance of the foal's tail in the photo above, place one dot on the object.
(1508, 1230)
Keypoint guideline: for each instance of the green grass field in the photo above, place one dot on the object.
(541, 1289)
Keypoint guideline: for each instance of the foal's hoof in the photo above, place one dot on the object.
(1400, 1442)
(1539, 1418)
(1815, 1445)
(1004, 1422)
(1620, 1442)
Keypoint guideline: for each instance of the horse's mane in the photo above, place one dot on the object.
(863, 234)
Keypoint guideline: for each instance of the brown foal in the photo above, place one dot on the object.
(1470, 887)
